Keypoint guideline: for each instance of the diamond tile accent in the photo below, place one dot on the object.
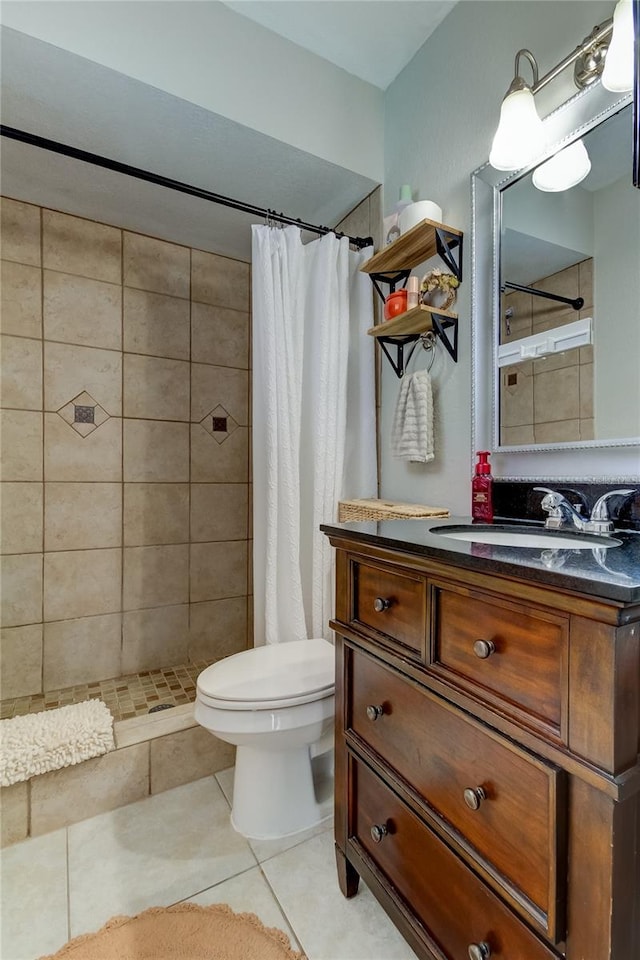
(219, 424)
(83, 414)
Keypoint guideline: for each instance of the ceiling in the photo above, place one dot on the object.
(372, 40)
(64, 97)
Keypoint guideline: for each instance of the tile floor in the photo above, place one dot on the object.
(179, 845)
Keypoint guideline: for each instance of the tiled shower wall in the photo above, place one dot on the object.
(548, 400)
(125, 452)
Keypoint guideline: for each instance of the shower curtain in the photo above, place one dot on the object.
(313, 420)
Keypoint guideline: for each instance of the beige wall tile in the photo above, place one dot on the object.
(21, 299)
(14, 813)
(82, 516)
(81, 247)
(557, 395)
(20, 231)
(21, 589)
(547, 313)
(587, 430)
(219, 336)
(70, 370)
(156, 513)
(585, 274)
(156, 265)
(520, 322)
(75, 793)
(558, 431)
(516, 399)
(155, 638)
(21, 518)
(156, 388)
(82, 311)
(84, 650)
(213, 462)
(567, 358)
(21, 373)
(219, 280)
(514, 436)
(81, 583)
(156, 324)
(186, 756)
(586, 391)
(21, 439)
(155, 576)
(69, 456)
(219, 511)
(211, 386)
(156, 452)
(218, 629)
(21, 661)
(218, 570)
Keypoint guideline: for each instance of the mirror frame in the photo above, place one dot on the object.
(607, 460)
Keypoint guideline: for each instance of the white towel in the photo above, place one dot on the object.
(39, 742)
(412, 430)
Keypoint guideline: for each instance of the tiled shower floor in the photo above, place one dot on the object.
(130, 696)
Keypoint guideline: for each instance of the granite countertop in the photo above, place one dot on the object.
(611, 574)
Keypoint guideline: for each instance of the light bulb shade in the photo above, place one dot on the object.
(520, 137)
(617, 75)
(564, 170)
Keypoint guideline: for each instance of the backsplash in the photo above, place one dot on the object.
(518, 500)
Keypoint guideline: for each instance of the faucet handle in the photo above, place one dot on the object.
(601, 510)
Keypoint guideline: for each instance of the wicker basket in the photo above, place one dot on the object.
(385, 510)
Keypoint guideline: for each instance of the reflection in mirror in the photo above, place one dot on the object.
(568, 338)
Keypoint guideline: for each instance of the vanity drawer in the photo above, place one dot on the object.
(390, 602)
(510, 655)
(454, 905)
(503, 804)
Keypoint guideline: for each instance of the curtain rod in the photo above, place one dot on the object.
(177, 185)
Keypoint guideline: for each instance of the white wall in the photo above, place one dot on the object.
(616, 284)
(441, 113)
(210, 56)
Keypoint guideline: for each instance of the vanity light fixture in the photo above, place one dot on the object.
(564, 170)
(519, 139)
(617, 75)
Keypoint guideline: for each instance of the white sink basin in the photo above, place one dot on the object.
(533, 539)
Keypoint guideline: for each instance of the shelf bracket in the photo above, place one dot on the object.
(445, 243)
(391, 279)
(399, 343)
(441, 324)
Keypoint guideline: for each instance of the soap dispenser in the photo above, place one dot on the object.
(481, 489)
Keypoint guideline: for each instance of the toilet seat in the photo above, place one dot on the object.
(268, 677)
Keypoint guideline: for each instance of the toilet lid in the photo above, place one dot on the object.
(274, 675)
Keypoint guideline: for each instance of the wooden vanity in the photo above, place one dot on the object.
(487, 739)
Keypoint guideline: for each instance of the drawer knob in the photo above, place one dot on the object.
(479, 951)
(374, 711)
(380, 604)
(483, 649)
(379, 832)
(473, 797)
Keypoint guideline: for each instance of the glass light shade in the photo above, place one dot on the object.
(564, 170)
(519, 138)
(617, 75)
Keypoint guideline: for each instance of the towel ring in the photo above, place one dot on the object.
(429, 342)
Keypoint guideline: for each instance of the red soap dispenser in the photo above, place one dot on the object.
(481, 499)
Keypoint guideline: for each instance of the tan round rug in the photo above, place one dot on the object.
(182, 932)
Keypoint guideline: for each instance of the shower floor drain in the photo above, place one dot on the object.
(161, 706)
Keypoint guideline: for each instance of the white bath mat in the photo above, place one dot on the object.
(45, 741)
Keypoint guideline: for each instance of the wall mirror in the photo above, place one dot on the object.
(556, 305)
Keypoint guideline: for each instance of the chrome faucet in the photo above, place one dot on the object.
(561, 512)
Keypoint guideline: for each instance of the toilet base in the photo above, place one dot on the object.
(274, 793)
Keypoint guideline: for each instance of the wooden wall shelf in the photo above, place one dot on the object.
(417, 320)
(414, 247)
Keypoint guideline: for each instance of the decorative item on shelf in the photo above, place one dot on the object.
(395, 304)
(415, 213)
(439, 289)
(391, 224)
(413, 292)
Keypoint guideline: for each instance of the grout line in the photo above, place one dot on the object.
(43, 455)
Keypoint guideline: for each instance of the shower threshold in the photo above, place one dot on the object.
(130, 696)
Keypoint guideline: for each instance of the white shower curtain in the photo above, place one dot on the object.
(313, 420)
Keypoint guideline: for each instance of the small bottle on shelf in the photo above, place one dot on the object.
(413, 292)
(481, 489)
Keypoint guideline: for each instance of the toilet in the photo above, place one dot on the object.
(276, 704)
